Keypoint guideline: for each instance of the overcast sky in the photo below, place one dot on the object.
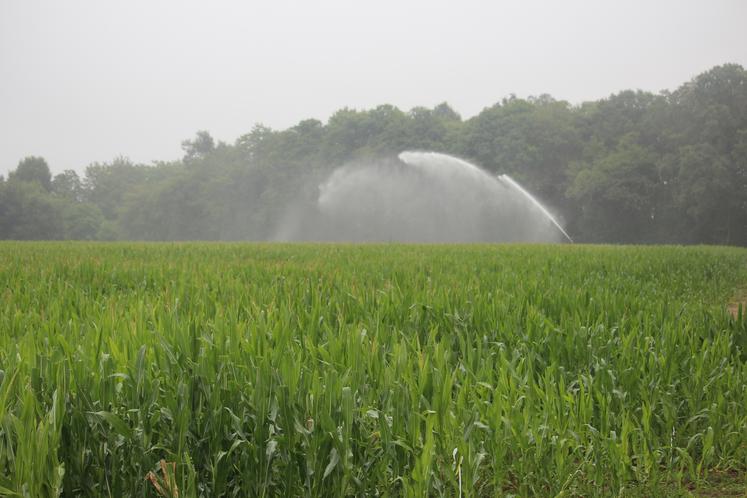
(84, 81)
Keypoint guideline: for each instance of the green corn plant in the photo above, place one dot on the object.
(344, 370)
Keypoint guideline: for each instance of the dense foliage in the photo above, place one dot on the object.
(634, 167)
(332, 370)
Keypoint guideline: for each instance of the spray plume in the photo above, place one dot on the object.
(420, 197)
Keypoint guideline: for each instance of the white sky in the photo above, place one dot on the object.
(87, 80)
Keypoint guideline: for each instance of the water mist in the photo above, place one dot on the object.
(421, 197)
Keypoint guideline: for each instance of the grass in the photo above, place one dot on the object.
(382, 370)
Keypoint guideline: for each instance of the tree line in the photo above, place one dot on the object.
(636, 167)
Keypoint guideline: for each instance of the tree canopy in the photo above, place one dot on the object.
(635, 167)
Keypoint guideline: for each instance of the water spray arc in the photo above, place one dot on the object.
(420, 159)
(535, 202)
(423, 197)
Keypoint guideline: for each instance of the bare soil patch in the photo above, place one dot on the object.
(723, 484)
(739, 299)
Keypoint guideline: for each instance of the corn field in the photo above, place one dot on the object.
(259, 370)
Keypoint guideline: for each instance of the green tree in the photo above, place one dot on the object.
(28, 212)
(106, 185)
(68, 185)
(80, 220)
(33, 169)
(202, 145)
(617, 194)
(710, 195)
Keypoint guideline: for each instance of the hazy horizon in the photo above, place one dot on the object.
(85, 82)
